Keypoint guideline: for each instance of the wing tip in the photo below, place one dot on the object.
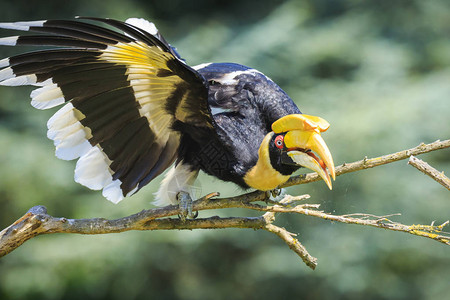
(9, 40)
(23, 25)
(143, 24)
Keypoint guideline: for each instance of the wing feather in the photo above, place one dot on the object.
(123, 89)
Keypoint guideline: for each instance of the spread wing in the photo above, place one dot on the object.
(123, 87)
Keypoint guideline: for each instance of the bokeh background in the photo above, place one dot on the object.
(378, 71)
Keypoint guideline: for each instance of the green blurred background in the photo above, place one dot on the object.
(378, 71)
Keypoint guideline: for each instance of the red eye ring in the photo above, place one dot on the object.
(279, 142)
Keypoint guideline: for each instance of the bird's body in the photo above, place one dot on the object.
(243, 103)
(242, 116)
(132, 107)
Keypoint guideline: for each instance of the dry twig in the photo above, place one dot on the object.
(430, 171)
(367, 163)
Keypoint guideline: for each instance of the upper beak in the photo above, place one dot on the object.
(302, 137)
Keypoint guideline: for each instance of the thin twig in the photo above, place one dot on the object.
(367, 163)
(429, 231)
(293, 244)
(430, 171)
(285, 235)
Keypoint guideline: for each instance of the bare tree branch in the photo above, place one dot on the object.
(430, 171)
(36, 221)
(367, 163)
(428, 231)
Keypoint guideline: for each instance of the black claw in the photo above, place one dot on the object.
(276, 192)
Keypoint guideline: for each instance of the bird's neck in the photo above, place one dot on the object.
(263, 176)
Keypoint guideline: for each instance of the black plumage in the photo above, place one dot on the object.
(250, 103)
(133, 107)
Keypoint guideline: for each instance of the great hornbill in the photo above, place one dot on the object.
(133, 107)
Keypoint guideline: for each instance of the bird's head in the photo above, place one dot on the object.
(295, 142)
(299, 143)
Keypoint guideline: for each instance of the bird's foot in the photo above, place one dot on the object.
(185, 202)
(275, 196)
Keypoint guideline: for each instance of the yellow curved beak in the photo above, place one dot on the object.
(303, 135)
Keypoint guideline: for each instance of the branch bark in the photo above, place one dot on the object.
(37, 221)
(430, 171)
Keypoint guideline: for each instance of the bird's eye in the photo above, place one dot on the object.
(279, 142)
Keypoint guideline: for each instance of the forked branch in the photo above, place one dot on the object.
(36, 221)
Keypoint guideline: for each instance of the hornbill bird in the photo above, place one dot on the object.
(132, 108)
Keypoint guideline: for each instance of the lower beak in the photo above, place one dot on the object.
(307, 160)
(310, 140)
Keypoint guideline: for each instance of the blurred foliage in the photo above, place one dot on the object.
(378, 71)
